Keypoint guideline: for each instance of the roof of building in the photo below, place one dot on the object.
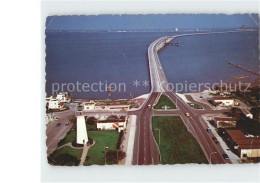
(112, 119)
(249, 146)
(225, 119)
(244, 142)
(222, 98)
(61, 104)
(235, 134)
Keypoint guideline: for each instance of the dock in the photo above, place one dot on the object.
(243, 68)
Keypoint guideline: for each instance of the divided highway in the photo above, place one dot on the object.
(145, 149)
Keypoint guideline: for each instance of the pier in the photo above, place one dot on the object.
(243, 68)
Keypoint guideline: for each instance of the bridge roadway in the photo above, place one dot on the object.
(146, 151)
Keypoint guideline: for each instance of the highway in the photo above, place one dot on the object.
(146, 151)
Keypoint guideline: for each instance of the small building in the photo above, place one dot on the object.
(63, 97)
(89, 105)
(112, 123)
(115, 107)
(247, 146)
(225, 101)
(224, 122)
(53, 103)
(82, 135)
(247, 113)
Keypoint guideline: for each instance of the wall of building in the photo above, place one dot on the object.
(226, 102)
(111, 126)
(82, 135)
(251, 153)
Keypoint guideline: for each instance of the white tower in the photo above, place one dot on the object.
(82, 135)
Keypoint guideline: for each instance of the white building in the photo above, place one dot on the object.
(224, 122)
(53, 103)
(226, 101)
(82, 135)
(112, 123)
(89, 105)
(114, 107)
(63, 97)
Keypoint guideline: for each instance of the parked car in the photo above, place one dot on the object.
(208, 130)
(58, 124)
(56, 118)
(225, 156)
(67, 124)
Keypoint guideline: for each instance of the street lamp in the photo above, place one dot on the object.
(159, 135)
(210, 156)
(105, 148)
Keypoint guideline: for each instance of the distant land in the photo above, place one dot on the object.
(168, 22)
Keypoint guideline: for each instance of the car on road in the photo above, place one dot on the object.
(56, 118)
(67, 124)
(149, 106)
(208, 130)
(58, 124)
(187, 114)
(225, 156)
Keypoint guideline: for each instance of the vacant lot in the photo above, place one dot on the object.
(96, 154)
(164, 101)
(65, 156)
(177, 146)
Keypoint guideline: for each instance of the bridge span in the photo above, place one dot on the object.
(146, 150)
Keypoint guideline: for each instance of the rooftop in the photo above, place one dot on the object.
(222, 98)
(224, 119)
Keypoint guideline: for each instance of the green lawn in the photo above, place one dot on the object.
(177, 146)
(195, 106)
(164, 100)
(96, 154)
(65, 156)
(71, 135)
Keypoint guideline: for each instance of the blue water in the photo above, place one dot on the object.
(121, 57)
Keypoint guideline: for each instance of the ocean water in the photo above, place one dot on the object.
(121, 58)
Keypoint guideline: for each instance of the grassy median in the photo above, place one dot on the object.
(164, 101)
(96, 153)
(177, 146)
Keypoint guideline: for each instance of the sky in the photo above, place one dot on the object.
(150, 22)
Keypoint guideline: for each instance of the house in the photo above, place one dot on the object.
(225, 101)
(112, 123)
(247, 146)
(224, 122)
(247, 113)
(53, 103)
(82, 134)
(63, 97)
(89, 105)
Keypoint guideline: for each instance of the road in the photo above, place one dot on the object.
(56, 133)
(145, 149)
